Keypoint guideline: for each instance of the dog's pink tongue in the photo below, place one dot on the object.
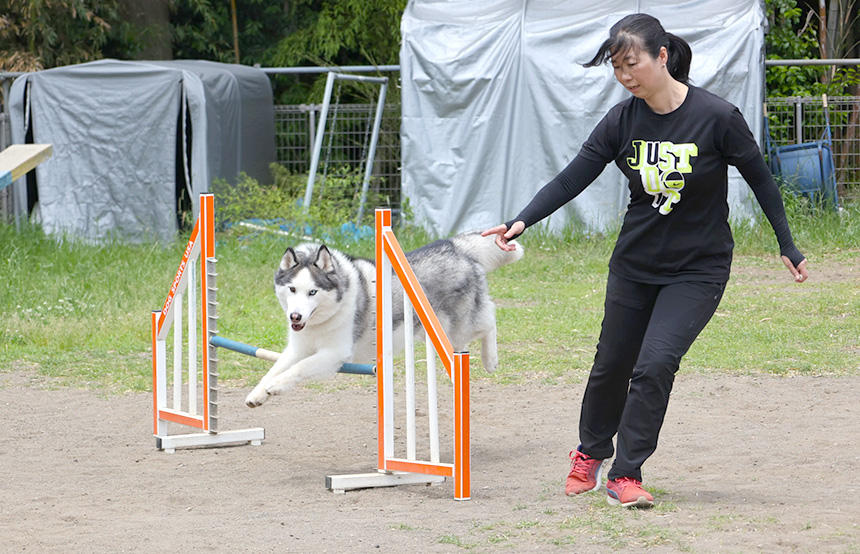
(298, 326)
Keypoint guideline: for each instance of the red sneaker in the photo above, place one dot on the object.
(585, 474)
(628, 492)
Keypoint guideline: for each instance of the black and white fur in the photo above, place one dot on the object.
(328, 298)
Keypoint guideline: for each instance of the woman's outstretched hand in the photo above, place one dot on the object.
(504, 235)
(800, 273)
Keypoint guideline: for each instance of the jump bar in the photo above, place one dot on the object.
(263, 354)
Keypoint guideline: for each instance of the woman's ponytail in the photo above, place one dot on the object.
(680, 55)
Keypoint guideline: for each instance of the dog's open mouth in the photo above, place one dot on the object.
(297, 326)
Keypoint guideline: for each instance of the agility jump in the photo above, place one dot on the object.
(198, 258)
(183, 406)
(392, 470)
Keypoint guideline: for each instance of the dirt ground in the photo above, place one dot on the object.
(746, 463)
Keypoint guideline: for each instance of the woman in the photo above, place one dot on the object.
(673, 142)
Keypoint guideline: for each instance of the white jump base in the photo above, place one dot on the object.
(339, 484)
(170, 443)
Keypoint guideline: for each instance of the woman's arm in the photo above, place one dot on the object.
(760, 180)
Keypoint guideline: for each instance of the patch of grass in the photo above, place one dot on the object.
(79, 313)
(528, 524)
(498, 538)
(765, 323)
(455, 540)
(599, 523)
(587, 521)
(402, 527)
(723, 522)
(815, 229)
(335, 201)
(566, 540)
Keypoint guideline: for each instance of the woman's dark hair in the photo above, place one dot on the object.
(641, 30)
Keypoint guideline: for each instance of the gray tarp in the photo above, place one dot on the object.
(124, 133)
(496, 102)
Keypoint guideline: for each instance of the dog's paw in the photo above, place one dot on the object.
(256, 397)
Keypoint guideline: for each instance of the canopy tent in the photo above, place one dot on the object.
(130, 137)
(496, 102)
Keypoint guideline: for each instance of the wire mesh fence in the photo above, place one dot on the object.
(346, 140)
(345, 144)
(791, 120)
(795, 120)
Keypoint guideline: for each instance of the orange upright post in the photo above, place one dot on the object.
(391, 262)
(198, 257)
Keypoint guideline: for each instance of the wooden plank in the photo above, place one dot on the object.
(18, 159)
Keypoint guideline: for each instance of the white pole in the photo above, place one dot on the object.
(160, 384)
(177, 351)
(387, 360)
(432, 408)
(368, 167)
(192, 339)
(408, 350)
(315, 155)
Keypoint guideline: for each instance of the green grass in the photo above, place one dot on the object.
(78, 314)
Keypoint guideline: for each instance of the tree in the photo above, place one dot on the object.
(840, 27)
(37, 34)
(341, 32)
(147, 26)
(337, 33)
(203, 29)
(794, 33)
(791, 35)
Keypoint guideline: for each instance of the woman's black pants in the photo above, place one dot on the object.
(646, 330)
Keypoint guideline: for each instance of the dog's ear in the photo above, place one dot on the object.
(324, 260)
(290, 260)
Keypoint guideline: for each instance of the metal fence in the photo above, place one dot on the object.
(793, 120)
(345, 143)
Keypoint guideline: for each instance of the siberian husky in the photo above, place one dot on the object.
(328, 298)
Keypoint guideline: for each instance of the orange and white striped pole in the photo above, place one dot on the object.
(391, 261)
(462, 436)
(384, 351)
(199, 253)
(207, 251)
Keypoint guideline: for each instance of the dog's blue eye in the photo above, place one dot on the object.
(312, 292)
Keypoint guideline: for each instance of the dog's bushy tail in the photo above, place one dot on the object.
(485, 251)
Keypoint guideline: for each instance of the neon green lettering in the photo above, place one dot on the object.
(684, 152)
(638, 159)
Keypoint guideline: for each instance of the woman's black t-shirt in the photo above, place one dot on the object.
(676, 225)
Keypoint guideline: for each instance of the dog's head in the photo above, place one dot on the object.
(307, 285)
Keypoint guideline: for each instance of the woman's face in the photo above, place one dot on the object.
(640, 73)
